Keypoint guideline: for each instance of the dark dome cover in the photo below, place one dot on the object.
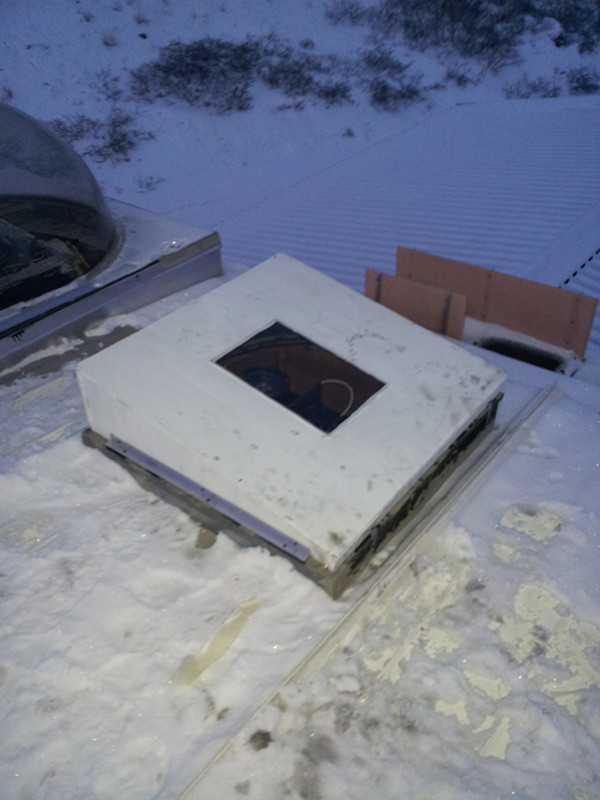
(54, 222)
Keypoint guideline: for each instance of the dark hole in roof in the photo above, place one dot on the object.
(524, 352)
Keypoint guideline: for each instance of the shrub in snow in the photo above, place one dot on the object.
(489, 32)
(382, 63)
(210, 72)
(386, 81)
(298, 73)
(108, 86)
(392, 96)
(350, 11)
(109, 140)
(110, 40)
(118, 138)
(583, 80)
(333, 93)
(218, 75)
(74, 129)
(473, 28)
(148, 183)
(579, 21)
(291, 76)
(538, 87)
(461, 77)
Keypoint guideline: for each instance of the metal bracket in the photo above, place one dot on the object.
(198, 492)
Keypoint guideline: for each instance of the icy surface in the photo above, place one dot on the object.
(113, 602)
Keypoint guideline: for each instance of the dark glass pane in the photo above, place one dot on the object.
(309, 380)
(54, 223)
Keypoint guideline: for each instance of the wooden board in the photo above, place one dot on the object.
(438, 310)
(552, 315)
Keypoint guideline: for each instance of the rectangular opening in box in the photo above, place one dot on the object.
(307, 379)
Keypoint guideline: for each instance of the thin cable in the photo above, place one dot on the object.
(347, 386)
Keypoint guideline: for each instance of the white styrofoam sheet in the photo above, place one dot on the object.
(161, 391)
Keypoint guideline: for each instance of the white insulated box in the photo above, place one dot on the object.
(294, 399)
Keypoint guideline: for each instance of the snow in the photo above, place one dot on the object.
(132, 651)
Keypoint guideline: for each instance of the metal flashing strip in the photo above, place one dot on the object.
(198, 492)
(161, 277)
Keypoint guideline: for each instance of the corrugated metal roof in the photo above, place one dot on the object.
(513, 186)
(586, 280)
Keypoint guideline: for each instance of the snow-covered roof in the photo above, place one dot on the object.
(513, 186)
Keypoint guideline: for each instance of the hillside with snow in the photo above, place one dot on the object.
(202, 164)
